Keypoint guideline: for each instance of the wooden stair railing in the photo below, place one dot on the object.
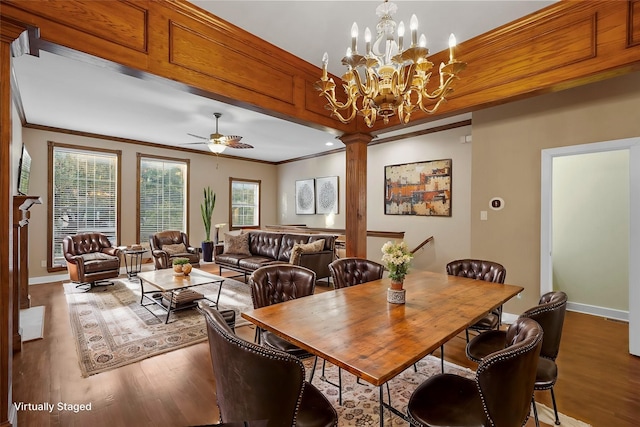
(429, 239)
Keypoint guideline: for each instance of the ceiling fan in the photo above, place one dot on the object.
(217, 142)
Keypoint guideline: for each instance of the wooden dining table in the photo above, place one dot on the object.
(356, 328)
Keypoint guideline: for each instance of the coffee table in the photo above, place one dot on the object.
(356, 328)
(167, 282)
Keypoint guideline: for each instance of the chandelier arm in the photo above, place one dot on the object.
(329, 93)
(344, 120)
(363, 90)
(434, 108)
(442, 90)
(405, 80)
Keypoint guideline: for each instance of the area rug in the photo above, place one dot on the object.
(32, 323)
(111, 329)
(360, 401)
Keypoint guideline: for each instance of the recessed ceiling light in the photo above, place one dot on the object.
(329, 144)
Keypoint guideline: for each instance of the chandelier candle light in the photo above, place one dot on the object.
(388, 80)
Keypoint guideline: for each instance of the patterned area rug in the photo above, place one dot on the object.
(111, 329)
(360, 402)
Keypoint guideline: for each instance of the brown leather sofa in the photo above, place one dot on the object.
(266, 248)
(90, 258)
(163, 257)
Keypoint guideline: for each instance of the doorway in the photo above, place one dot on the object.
(553, 160)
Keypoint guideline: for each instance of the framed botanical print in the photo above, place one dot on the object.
(305, 197)
(422, 188)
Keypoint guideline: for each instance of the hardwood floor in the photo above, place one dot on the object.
(598, 380)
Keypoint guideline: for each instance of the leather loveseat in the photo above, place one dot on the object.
(91, 259)
(266, 248)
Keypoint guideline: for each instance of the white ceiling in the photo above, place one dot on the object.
(65, 93)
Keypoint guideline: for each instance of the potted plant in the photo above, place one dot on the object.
(397, 258)
(181, 266)
(206, 209)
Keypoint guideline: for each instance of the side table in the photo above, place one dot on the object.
(133, 261)
(218, 248)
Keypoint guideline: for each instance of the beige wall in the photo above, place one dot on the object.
(507, 148)
(451, 235)
(591, 228)
(205, 170)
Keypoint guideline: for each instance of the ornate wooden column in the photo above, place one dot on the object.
(9, 31)
(356, 193)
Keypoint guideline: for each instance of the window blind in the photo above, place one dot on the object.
(163, 189)
(84, 196)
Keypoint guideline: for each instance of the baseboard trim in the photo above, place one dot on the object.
(609, 313)
(48, 279)
(65, 277)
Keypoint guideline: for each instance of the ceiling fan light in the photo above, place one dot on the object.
(216, 147)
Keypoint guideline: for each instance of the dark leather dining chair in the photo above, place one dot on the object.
(488, 271)
(550, 314)
(499, 395)
(352, 271)
(261, 383)
(346, 272)
(273, 284)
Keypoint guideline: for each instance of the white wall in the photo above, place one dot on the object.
(591, 228)
(451, 234)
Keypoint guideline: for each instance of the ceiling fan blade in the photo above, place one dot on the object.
(198, 136)
(238, 145)
(194, 143)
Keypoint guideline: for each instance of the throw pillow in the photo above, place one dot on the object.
(178, 248)
(236, 244)
(305, 248)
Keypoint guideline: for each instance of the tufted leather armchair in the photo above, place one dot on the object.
(488, 271)
(91, 259)
(164, 259)
(549, 313)
(351, 271)
(257, 383)
(273, 284)
(499, 396)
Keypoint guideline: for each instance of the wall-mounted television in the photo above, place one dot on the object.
(24, 172)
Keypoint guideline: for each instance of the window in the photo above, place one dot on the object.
(84, 184)
(244, 203)
(162, 195)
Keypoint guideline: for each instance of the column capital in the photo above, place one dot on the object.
(352, 138)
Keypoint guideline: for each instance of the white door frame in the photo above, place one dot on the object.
(546, 232)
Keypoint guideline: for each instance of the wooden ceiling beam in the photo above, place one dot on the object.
(564, 45)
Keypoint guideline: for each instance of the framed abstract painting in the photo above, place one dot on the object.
(305, 197)
(422, 188)
(327, 195)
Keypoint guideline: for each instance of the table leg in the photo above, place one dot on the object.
(169, 308)
(381, 408)
(219, 291)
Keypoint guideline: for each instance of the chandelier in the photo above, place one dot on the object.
(388, 79)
